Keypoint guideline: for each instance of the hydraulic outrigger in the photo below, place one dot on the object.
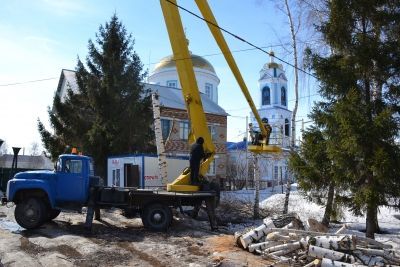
(190, 89)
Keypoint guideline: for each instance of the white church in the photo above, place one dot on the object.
(272, 103)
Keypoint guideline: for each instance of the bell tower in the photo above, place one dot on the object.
(273, 101)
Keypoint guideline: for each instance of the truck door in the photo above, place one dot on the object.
(70, 181)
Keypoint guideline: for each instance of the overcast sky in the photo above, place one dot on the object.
(39, 38)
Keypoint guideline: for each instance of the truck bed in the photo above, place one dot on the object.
(134, 197)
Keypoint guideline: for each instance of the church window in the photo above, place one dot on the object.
(266, 96)
(165, 128)
(287, 127)
(172, 83)
(183, 130)
(283, 96)
(209, 90)
(274, 72)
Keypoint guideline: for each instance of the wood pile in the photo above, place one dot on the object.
(291, 245)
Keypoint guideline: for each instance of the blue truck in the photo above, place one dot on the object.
(40, 196)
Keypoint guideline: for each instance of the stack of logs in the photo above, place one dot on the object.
(288, 246)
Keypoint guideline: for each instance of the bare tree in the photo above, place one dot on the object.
(34, 149)
(4, 148)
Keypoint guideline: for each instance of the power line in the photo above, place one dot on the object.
(240, 38)
(306, 96)
(33, 81)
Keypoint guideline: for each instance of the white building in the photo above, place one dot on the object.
(272, 103)
(165, 74)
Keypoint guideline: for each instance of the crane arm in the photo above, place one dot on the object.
(205, 10)
(190, 91)
(219, 38)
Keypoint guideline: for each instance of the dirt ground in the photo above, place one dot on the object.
(118, 241)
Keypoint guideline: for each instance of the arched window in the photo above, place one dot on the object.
(266, 96)
(287, 127)
(283, 96)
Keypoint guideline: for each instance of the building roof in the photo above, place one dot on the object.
(27, 162)
(169, 97)
(198, 62)
(172, 98)
(230, 146)
(69, 77)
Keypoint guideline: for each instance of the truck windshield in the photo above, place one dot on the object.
(73, 166)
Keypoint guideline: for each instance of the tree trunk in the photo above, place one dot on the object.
(329, 205)
(296, 73)
(286, 205)
(162, 158)
(256, 214)
(372, 221)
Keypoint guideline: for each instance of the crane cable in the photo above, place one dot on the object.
(242, 39)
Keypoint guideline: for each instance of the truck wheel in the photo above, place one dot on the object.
(157, 217)
(53, 213)
(30, 213)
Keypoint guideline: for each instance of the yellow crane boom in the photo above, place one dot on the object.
(190, 89)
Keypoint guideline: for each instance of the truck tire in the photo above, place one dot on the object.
(157, 217)
(52, 214)
(30, 213)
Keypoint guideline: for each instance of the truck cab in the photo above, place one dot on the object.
(40, 195)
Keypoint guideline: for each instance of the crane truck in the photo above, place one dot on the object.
(40, 196)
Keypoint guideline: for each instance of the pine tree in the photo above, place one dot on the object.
(313, 169)
(361, 87)
(111, 112)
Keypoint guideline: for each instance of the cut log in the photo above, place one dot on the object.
(276, 236)
(331, 263)
(314, 225)
(256, 234)
(283, 252)
(315, 262)
(342, 229)
(369, 242)
(339, 242)
(284, 219)
(386, 254)
(369, 260)
(301, 232)
(288, 246)
(295, 224)
(263, 245)
(320, 253)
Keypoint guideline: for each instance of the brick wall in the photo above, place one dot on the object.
(176, 146)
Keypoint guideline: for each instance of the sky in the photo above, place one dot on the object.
(40, 38)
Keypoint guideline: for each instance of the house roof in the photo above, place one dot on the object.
(26, 162)
(169, 97)
(172, 98)
(230, 146)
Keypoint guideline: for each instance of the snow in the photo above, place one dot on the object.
(389, 218)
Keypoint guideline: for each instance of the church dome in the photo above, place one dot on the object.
(198, 62)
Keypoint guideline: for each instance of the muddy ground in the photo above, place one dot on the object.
(118, 241)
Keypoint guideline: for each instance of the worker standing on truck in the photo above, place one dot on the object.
(196, 155)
